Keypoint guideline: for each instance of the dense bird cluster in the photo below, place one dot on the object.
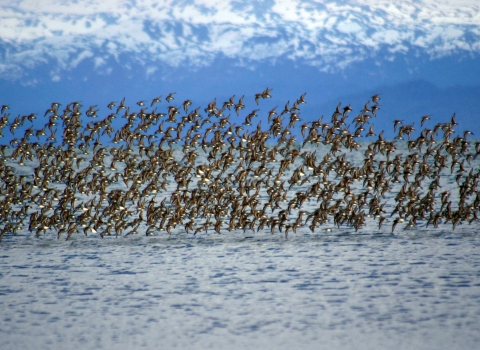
(192, 170)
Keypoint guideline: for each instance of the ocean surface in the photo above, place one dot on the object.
(340, 290)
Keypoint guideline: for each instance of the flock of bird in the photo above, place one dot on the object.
(187, 170)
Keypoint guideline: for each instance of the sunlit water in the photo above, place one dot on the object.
(343, 290)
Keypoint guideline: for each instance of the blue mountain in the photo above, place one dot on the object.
(438, 88)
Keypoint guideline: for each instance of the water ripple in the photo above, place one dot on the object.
(419, 292)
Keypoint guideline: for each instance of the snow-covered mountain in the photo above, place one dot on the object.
(329, 35)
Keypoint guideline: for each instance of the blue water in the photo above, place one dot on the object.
(343, 290)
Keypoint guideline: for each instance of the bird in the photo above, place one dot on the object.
(206, 170)
(170, 96)
(424, 119)
(371, 132)
(264, 94)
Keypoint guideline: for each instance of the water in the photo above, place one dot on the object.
(412, 290)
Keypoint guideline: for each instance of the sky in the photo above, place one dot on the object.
(422, 57)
